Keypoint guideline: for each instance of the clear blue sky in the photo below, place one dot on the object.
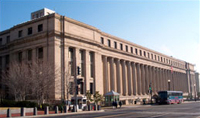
(169, 27)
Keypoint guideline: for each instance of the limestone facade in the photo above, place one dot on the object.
(107, 62)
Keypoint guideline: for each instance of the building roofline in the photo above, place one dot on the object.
(56, 15)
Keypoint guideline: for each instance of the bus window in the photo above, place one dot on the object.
(84, 101)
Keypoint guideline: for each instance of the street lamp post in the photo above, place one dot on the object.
(194, 92)
(169, 84)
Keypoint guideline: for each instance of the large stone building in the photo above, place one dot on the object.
(107, 62)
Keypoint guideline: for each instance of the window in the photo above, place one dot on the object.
(82, 62)
(158, 58)
(140, 52)
(20, 33)
(148, 55)
(81, 87)
(131, 49)
(29, 55)
(164, 60)
(91, 88)
(40, 28)
(169, 61)
(102, 40)
(161, 59)
(40, 53)
(1, 41)
(20, 56)
(109, 43)
(7, 39)
(91, 64)
(115, 44)
(71, 53)
(29, 30)
(7, 59)
(0, 62)
(136, 51)
(151, 56)
(155, 57)
(126, 48)
(144, 54)
(121, 46)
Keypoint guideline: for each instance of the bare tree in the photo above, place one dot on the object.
(34, 80)
(43, 81)
(17, 80)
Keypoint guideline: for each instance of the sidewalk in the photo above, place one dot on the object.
(51, 113)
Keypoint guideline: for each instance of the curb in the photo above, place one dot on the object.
(62, 114)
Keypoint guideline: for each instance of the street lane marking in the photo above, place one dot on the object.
(158, 115)
(112, 116)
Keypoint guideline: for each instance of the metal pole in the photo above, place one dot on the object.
(173, 81)
(151, 97)
(75, 82)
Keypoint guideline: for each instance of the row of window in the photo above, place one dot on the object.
(19, 55)
(39, 54)
(20, 33)
(143, 53)
(38, 15)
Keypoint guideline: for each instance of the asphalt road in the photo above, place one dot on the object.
(185, 110)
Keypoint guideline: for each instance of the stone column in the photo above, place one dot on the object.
(105, 75)
(112, 80)
(124, 78)
(175, 81)
(34, 56)
(153, 84)
(162, 80)
(130, 92)
(168, 78)
(118, 76)
(138, 79)
(143, 79)
(156, 79)
(150, 76)
(87, 70)
(109, 74)
(178, 82)
(146, 79)
(159, 79)
(134, 79)
(98, 70)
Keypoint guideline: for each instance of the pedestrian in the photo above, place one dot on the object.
(113, 104)
(61, 109)
(120, 103)
(116, 104)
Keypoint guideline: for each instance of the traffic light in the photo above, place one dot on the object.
(79, 70)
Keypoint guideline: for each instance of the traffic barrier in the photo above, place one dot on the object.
(23, 111)
(46, 110)
(56, 110)
(35, 111)
(8, 112)
(65, 109)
